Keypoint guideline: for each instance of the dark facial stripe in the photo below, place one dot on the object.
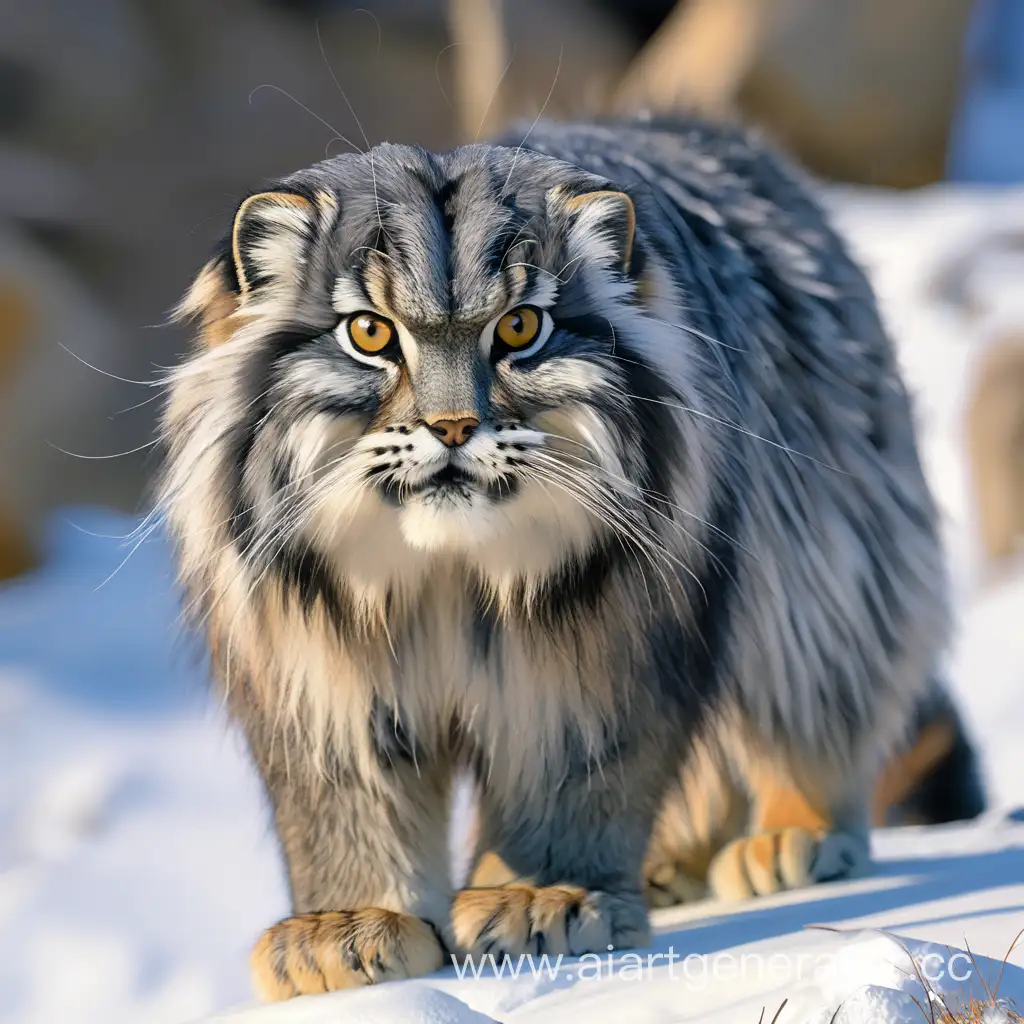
(253, 382)
(587, 325)
(653, 408)
(302, 573)
(446, 198)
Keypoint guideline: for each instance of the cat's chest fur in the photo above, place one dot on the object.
(447, 674)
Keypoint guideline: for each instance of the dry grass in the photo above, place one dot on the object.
(778, 1013)
(948, 1009)
(939, 1012)
(977, 1012)
(990, 1010)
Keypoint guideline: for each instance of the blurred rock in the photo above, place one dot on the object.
(862, 90)
(995, 436)
(50, 399)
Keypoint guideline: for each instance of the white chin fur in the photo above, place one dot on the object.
(449, 523)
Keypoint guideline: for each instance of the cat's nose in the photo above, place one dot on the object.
(453, 431)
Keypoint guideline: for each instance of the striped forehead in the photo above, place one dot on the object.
(446, 252)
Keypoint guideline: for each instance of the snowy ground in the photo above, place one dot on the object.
(136, 865)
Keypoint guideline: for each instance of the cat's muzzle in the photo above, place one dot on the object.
(451, 484)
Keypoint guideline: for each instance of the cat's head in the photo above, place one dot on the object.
(403, 356)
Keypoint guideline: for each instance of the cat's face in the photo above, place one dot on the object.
(429, 354)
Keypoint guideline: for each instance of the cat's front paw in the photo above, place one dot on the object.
(785, 858)
(520, 918)
(315, 953)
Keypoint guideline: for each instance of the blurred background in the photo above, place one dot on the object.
(128, 131)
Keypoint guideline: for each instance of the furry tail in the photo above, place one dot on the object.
(936, 778)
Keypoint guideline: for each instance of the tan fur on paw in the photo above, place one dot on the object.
(315, 953)
(782, 859)
(518, 918)
(490, 870)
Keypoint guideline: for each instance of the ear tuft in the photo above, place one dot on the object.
(268, 237)
(609, 216)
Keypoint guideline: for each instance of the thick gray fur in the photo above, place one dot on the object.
(699, 519)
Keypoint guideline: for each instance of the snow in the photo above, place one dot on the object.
(135, 864)
(136, 860)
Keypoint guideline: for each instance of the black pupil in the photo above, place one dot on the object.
(370, 326)
(518, 327)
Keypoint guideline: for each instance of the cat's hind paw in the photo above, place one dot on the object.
(786, 858)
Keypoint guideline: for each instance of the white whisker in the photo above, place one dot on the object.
(334, 78)
(494, 95)
(536, 121)
(312, 113)
(107, 373)
(116, 455)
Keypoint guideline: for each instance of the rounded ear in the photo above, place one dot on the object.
(268, 236)
(603, 224)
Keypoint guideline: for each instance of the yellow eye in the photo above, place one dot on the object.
(518, 327)
(369, 332)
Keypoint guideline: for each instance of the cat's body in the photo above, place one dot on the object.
(630, 490)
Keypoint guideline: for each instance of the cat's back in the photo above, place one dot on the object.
(760, 274)
(733, 218)
(687, 173)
